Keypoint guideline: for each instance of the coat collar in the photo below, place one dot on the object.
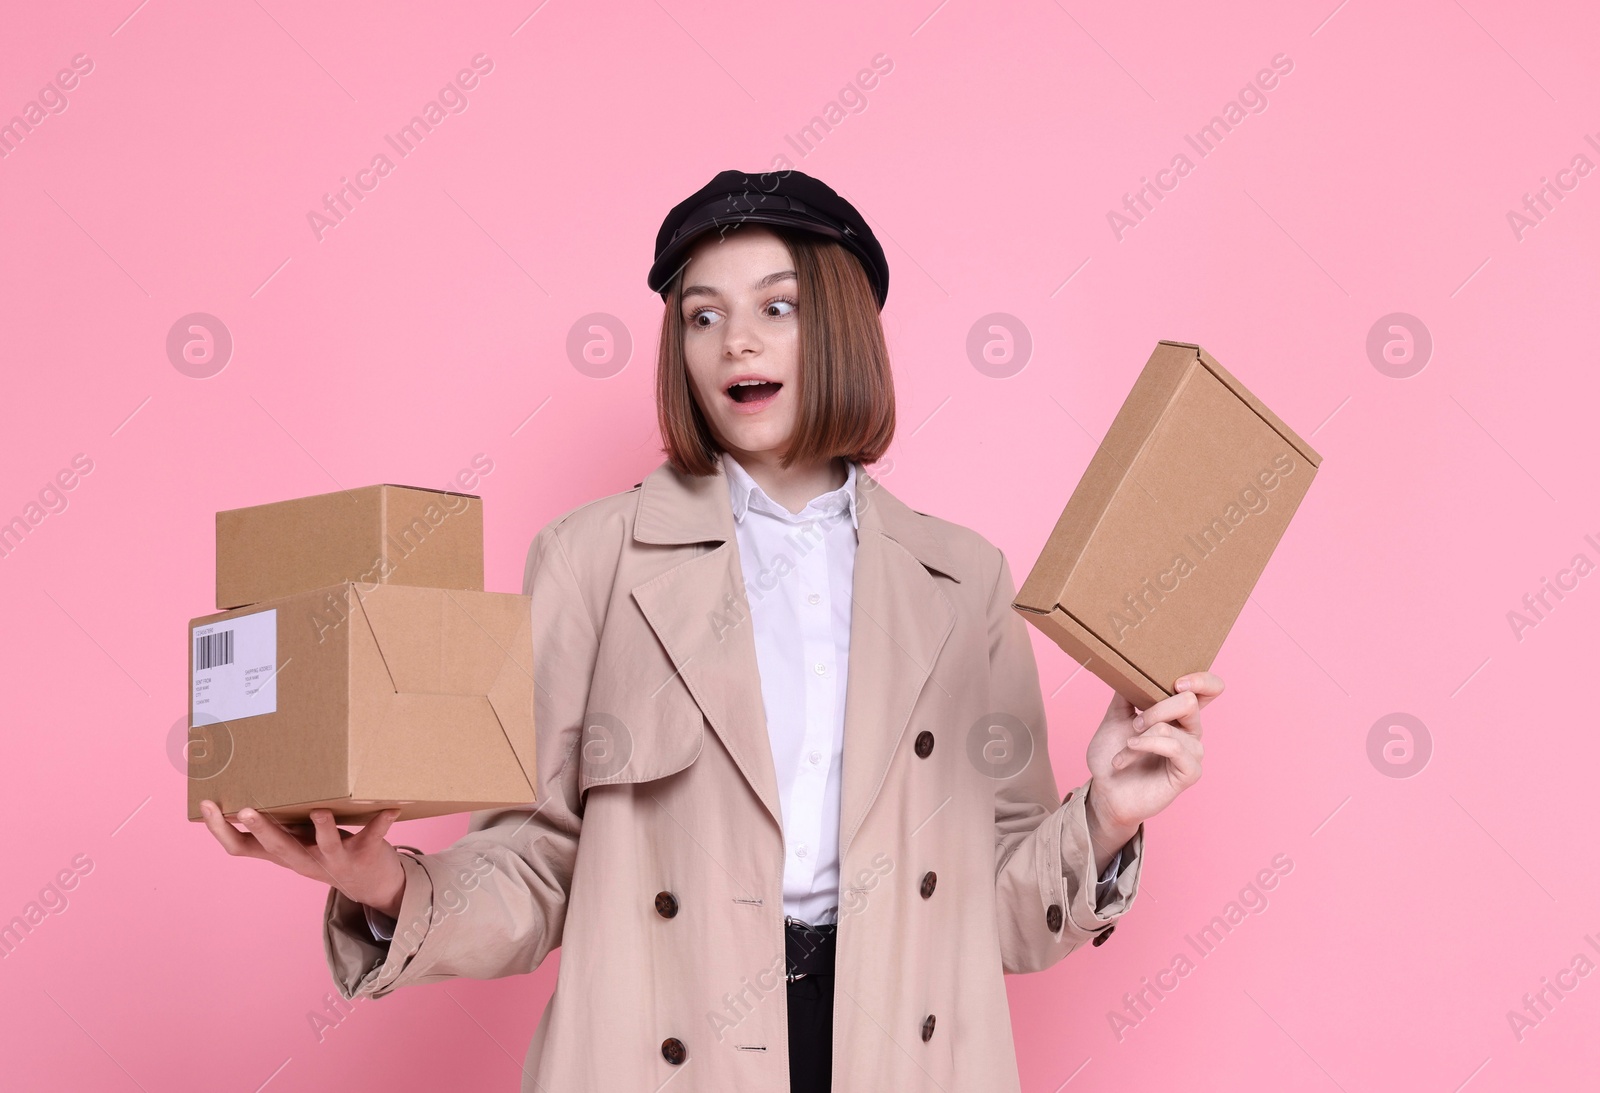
(677, 508)
(900, 620)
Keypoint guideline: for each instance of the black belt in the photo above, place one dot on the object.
(808, 949)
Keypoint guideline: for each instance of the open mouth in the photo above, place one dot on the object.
(753, 391)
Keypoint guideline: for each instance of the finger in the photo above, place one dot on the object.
(1182, 754)
(270, 832)
(330, 840)
(1182, 708)
(234, 841)
(1203, 685)
(288, 850)
(375, 829)
(1131, 751)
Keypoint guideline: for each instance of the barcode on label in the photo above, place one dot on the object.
(211, 650)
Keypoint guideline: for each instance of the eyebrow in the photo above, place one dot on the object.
(769, 279)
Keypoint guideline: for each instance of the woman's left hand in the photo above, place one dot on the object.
(1140, 762)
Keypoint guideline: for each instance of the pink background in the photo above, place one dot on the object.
(428, 326)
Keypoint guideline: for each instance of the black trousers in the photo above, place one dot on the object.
(810, 950)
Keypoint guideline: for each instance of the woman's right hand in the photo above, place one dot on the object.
(362, 865)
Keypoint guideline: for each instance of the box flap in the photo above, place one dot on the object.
(460, 651)
(477, 644)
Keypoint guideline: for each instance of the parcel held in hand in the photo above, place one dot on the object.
(1172, 523)
(358, 684)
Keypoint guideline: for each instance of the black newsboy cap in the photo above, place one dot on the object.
(789, 198)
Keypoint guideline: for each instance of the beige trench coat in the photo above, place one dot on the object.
(640, 629)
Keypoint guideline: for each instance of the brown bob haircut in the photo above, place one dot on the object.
(846, 389)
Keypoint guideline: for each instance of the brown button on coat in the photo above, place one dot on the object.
(656, 776)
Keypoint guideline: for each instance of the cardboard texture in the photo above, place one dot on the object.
(384, 534)
(420, 698)
(1173, 522)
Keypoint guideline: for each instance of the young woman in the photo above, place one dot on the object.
(797, 817)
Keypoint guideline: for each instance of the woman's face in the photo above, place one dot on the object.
(740, 299)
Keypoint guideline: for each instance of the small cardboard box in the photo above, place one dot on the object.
(357, 701)
(383, 534)
(1174, 520)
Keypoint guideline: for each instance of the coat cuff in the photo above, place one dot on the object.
(361, 964)
(1078, 879)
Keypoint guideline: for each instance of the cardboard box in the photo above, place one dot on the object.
(374, 535)
(1174, 520)
(420, 698)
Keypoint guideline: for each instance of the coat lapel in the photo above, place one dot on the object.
(699, 613)
(899, 621)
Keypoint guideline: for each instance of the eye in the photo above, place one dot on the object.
(693, 318)
(780, 301)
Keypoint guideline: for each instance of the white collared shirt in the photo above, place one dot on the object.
(799, 570)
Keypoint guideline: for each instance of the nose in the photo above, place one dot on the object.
(740, 334)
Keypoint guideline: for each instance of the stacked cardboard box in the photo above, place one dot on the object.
(357, 664)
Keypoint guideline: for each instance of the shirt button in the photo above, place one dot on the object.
(822, 669)
(800, 852)
(924, 745)
(666, 904)
(673, 1051)
(813, 598)
(929, 879)
(927, 1029)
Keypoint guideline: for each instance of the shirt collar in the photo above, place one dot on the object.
(745, 493)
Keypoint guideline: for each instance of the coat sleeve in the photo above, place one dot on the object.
(493, 903)
(1045, 875)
